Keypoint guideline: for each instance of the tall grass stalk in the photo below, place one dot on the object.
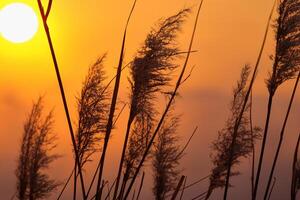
(253, 145)
(295, 177)
(113, 106)
(272, 188)
(286, 64)
(178, 188)
(141, 186)
(61, 87)
(281, 136)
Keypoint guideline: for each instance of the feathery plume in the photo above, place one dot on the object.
(165, 158)
(244, 138)
(38, 140)
(150, 71)
(286, 63)
(92, 108)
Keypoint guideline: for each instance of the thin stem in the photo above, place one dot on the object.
(110, 189)
(272, 188)
(293, 185)
(270, 101)
(112, 108)
(98, 166)
(130, 120)
(141, 186)
(65, 186)
(252, 143)
(200, 196)
(48, 8)
(178, 188)
(63, 96)
(75, 183)
(282, 135)
(263, 145)
(187, 144)
(168, 105)
(182, 190)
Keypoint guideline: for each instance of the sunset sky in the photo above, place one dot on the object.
(229, 36)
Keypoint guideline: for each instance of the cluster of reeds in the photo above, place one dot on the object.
(286, 66)
(151, 134)
(147, 134)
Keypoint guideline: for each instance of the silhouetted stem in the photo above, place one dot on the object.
(200, 196)
(133, 195)
(75, 183)
(65, 186)
(261, 157)
(253, 147)
(61, 87)
(178, 188)
(182, 190)
(110, 189)
(130, 120)
(293, 185)
(282, 135)
(187, 144)
(98, 166)
(236, 126)
(192, 184)
(141, 186)
(167, 107)
(48, 9)
(274, 181)
(112, 108)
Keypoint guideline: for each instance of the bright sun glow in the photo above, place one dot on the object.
(18, 22)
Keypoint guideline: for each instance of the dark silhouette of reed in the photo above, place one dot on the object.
(285, 67)
(165, 161)
(253, 145)
(178, 187)
(150, 72)
(109, 125)
(295, 183)
(37, 142)
(282, 132)
(172, 97)
(44, 16)
(92, 109)
(244, 139)
(245, 102)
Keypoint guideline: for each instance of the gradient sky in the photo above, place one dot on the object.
(229, 35)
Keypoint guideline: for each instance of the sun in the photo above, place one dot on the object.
(18, 22)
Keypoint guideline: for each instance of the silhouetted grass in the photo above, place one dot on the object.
(285, 65)
(150, 72)
(244, 137)
(165, 159)
(37, 142)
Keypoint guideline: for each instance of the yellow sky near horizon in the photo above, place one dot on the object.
(229, 35)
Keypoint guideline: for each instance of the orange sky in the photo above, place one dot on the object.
(229, 36)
